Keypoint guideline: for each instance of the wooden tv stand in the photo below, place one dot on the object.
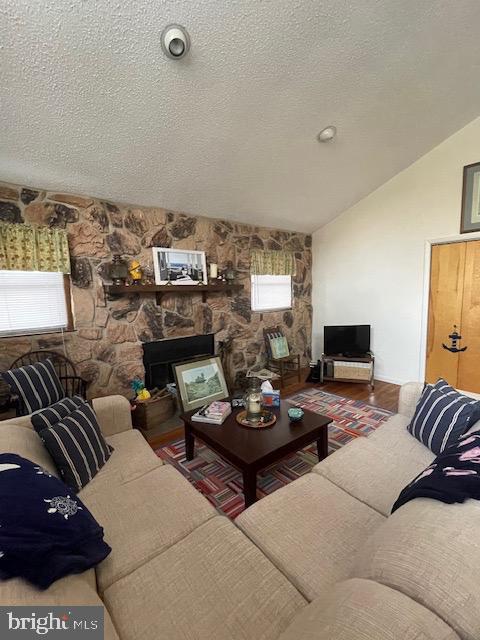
(344, 369)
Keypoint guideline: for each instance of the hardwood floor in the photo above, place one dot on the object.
(159, 441)
(385, 396)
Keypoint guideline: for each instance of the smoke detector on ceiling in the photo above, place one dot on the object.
(327, 134)
(175, 41)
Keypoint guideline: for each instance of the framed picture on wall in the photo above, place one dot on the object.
(471, 199)
(178, 266)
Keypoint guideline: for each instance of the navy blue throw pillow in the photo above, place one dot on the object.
(37, 385)
(46, 532)
(44, 418)
(77, 446)
(442, 415)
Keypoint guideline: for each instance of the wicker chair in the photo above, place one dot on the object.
(72, 383)
(289, 364)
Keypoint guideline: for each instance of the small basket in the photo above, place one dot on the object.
(352, 370)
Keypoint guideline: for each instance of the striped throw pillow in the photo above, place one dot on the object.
(44, 418)
(37, 385)
(77, 446)
(442, 415)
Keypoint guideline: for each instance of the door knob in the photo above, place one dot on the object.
(454, 337)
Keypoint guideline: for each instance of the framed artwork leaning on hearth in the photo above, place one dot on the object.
(179, 266)
(200, 382)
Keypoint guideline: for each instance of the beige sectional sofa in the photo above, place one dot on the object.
(319, 559)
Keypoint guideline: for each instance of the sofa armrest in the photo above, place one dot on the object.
(113, 413)
(409, 396)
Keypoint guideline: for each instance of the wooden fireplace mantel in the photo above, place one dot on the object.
(115, 290)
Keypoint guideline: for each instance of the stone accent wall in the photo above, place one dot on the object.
(106, 343)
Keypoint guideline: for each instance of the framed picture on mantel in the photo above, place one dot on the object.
(470, 220)
(179, 267)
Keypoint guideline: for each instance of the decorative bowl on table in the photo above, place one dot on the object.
(295, 414)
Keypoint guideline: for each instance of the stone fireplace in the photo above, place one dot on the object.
(107, 343)
(160, 355)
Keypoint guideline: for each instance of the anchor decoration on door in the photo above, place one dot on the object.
(455, 337)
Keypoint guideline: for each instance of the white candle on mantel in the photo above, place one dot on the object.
(213, 270)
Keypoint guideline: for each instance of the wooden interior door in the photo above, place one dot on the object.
(447, 275)
(469, 361)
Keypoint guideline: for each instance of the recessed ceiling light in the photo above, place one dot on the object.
(327, 134)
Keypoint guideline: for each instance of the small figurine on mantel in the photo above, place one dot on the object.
(135, 272)
(118, 270)
(230, 273)
(148, 275)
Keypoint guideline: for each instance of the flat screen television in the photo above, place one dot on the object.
(349, 341)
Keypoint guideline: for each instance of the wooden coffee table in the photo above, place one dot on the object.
(251, 450)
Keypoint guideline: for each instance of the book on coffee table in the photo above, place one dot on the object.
(214, 413)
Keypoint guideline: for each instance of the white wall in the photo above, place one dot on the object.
(368, 264)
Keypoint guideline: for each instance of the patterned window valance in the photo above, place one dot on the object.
(272, 263)
(27, 248)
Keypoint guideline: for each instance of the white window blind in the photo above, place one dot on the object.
(271, 292)
(31, 302)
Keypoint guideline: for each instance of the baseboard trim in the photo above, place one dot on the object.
(391, 380)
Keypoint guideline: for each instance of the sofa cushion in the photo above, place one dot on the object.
(212, 584)
(311, 530)
(18, 421)
(365, 610)
(143, 517)
(77, 590)
(375, 469)
(429, 551)
(442, 415)
(77, 446)
(37, 385)
(26, 443)
(114, 414)
(131, 458)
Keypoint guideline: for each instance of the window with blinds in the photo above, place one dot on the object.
(270, 293)
(32, 302)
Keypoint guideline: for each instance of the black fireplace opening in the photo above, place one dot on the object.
(160, 355)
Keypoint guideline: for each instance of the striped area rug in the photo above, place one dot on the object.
(222, 484)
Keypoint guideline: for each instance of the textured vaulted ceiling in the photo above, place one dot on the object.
(89, 103)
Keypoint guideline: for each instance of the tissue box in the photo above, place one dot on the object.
(271, 398)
